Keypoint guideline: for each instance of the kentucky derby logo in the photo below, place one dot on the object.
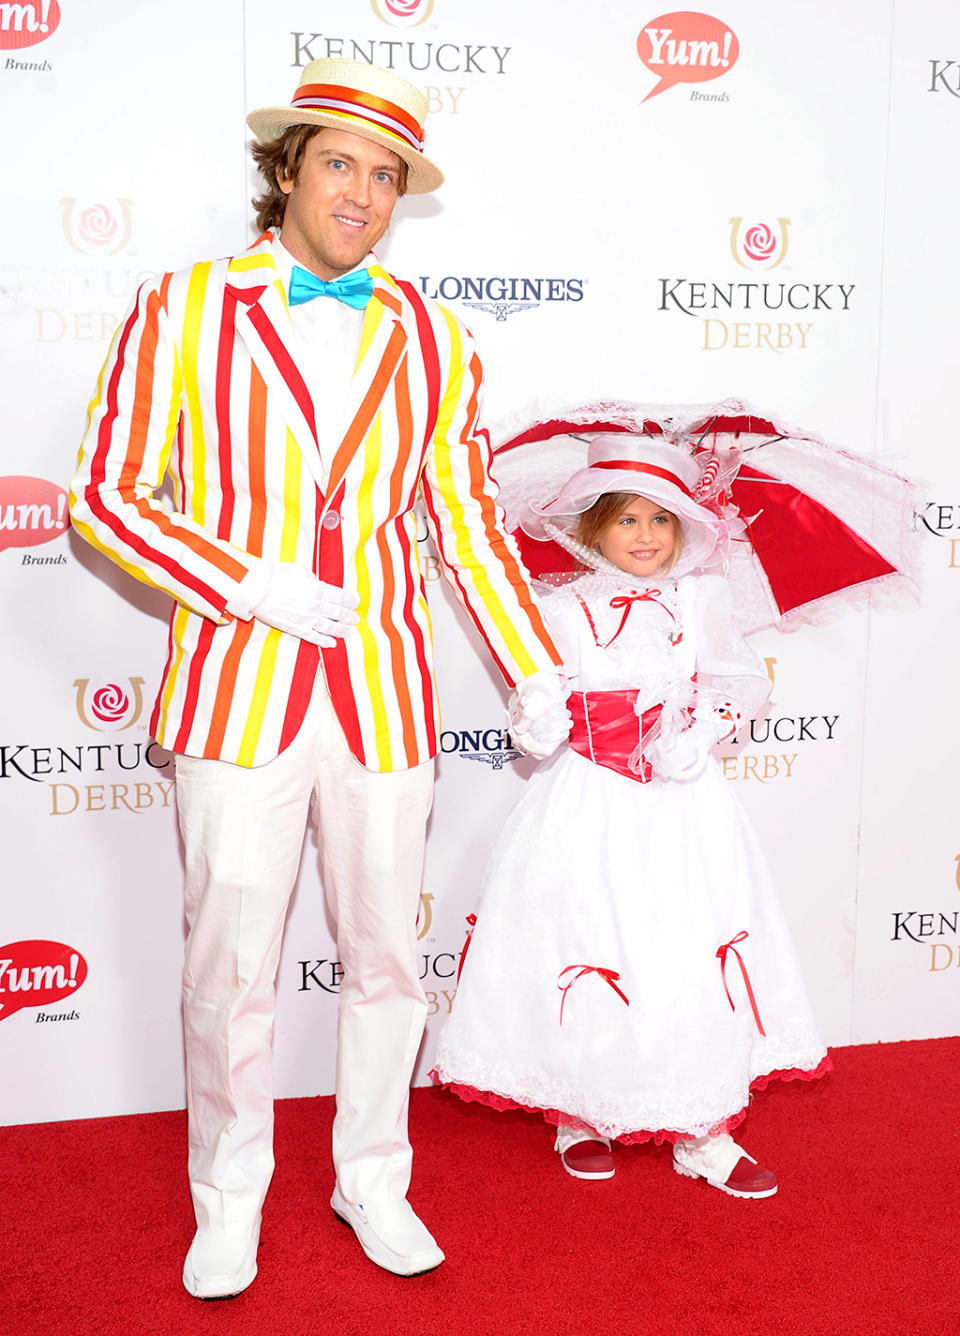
(27, 23)
(758, 245)
(424, 915)
(771, 667)
(686, 47)
(109, 704)
(97, 228)
(402, 13)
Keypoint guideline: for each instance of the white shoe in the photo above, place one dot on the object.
(724, 1165)
(220, 1265)
(391, 1234)
(583, 1153)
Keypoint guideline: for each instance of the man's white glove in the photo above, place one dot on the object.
(537, 715)
(292, 599)
(684, 756)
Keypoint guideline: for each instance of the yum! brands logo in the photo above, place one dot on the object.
(687, 47)
(402, 13)
(109, 704)
(27, 23)
(759, 245)
(97, 227)
(32, 511)
(37, 974)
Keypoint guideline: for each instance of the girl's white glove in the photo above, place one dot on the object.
(537, 716)
(684, 756)
(292, 599)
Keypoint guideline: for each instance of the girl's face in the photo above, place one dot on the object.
(641, 538)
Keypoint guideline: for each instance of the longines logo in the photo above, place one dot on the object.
(402, 13)
(687, 47)
(25, 24)
(97, 228)
(758, 245)
(499, 296)
(32, 511)
(37, 974)
(785, 307)
(945, 77)
(493, 746)
(110, 704)
(942, 521)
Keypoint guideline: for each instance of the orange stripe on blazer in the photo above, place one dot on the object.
(202, 384)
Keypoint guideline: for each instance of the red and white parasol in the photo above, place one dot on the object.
(825, 528)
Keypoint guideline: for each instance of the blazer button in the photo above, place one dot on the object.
(331, 520)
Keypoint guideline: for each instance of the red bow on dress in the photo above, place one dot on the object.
(722, 957)
(611, 976)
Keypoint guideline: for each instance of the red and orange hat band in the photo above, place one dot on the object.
(350, 102)
(644, 468)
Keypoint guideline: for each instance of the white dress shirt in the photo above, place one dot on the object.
(328, 332)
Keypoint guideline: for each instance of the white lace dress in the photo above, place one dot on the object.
(611, 898)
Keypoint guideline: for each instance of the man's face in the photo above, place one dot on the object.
(340, 204)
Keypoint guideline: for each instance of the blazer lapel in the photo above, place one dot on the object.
(382, 345)
(262, 321)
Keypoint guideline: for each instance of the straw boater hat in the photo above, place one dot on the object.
(363, 100)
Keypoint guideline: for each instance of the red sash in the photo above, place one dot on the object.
(607, 731)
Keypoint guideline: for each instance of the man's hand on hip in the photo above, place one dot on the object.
(295, 601)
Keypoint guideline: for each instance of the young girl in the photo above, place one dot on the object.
(630, 973)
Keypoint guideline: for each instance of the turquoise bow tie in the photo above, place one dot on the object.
(355, 289)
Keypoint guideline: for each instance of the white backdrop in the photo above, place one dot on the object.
(818, 157)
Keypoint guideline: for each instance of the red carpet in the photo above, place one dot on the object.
(861, 1240)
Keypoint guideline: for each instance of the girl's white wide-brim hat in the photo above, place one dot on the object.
(620, 462)
(363, 100)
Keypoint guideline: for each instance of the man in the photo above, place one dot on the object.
(301, 400)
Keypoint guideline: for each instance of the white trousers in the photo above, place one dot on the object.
(243, 832)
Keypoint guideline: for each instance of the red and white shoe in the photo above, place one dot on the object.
(724, 1165)
(583, 1153)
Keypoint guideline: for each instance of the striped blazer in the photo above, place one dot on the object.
(201, 385)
